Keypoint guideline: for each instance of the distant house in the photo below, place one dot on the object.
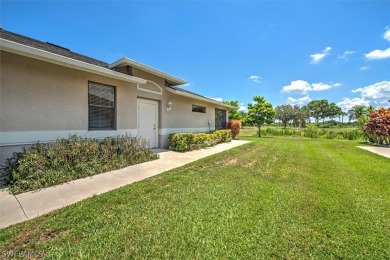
(48, 91)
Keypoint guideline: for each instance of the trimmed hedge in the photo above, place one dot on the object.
(182, 142)
(44, 165)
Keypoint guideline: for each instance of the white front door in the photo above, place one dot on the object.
(148, 121)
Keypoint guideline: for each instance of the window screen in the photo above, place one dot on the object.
(101, 106)
(220, 119)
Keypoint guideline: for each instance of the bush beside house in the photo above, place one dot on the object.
(234, 125)
(377, 128)
(182, 142)
(44, 165)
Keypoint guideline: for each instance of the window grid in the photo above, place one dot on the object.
(101, 106)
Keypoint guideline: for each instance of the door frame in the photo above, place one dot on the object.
(153, 102)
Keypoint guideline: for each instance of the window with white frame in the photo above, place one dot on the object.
(101, 106)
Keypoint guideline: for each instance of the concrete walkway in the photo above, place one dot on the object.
(384, 151)
(15, 209)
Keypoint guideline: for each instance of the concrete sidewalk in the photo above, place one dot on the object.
(15, 209)
(384, 151)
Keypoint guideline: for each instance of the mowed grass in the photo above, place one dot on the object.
(273, 198)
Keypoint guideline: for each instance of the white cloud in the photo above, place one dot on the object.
(345, 55)
(364, 68)
(255, 78)
(317, 57)
(299, 101)
(320, 86)
(242, 108)
(375, 91)
(386, 35)
(348, 103)
(219, 99)
(297, 86)
(378, 54)
(302, 87)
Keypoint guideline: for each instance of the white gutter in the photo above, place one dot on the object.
(35, 53)
(193, 96)
(126, 61)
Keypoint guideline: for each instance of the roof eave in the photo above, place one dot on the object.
(126, 61)
(35, 53)
(193, 96)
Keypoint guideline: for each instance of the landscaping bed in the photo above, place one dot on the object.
(44, 165)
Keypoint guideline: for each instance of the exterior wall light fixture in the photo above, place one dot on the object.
(169, 106)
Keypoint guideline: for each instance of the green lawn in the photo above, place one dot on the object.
(273, 198)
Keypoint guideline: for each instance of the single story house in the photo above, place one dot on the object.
(48, 91)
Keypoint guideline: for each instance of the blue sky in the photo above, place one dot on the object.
(288, 51)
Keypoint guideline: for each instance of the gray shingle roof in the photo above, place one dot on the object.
(49, 47)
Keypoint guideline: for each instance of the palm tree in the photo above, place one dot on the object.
(342, 114)
(357, 113)
(370, 108)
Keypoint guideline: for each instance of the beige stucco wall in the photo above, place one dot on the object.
(38, 96)
(180, 118)
(181, 115)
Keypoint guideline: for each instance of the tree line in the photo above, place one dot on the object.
(262, 112)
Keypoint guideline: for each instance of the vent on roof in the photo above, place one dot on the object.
(55, 45)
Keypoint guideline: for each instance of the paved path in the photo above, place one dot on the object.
(384, 151)
(15, 209)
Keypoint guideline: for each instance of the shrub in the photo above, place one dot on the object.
(182, 142)
(234, 125)
(44, 165)
(355, 134)
(223, 136)
(312, 131)
(377, 128)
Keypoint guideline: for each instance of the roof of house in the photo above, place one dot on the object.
(49, 47)
(53, 53)
(171, 80)
(186, 93)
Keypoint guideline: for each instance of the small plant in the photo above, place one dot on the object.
(234, 125)
(44, 165)
(312, 131)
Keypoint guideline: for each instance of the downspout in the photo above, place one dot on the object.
(209, 126)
